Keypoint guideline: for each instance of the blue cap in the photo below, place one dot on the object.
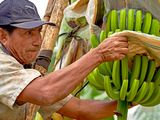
(21, 14)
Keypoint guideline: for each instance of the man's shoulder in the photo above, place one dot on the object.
(7, 60)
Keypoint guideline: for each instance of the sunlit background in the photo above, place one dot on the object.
(41, 6)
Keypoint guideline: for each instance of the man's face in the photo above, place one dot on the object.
(24, 44)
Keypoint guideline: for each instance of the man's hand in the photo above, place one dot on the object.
(112, 48)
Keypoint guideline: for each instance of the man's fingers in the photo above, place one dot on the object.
(117, 57)
(121, 38)
(112, 39)
(124, 39)
(121, 50)
(121, 56)
(120, 44)
(112, 50)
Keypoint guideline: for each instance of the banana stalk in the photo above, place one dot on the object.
(122, 110)
(122, 106)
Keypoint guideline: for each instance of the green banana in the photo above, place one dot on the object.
(111, 92)
(110, 33)
(154, 99)
(159, 31)
(138, 22)
(136, 68)
(117, 30)
(116, 74)
(151, 70)
(94, 40)
(108, 23)
(133, 90)
(124, 68)
(141, 92)
(124, 73)
(103, 69)
(147, 23)
(122, 21)
(143, 71)
(130, 22)
(151, 87)
(98, 77)
(93, 82)
(123, 90)
(154, 27)
(102, 35)
(156, 78)
(109, 68)
(114, 20)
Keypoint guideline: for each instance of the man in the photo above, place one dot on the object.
(20, 42)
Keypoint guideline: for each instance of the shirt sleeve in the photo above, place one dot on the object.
(46, 111)
(13, 79)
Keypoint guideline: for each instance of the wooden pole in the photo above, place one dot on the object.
(51, 33)
(47, 15)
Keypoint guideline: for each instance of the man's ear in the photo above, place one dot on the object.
(3, 36)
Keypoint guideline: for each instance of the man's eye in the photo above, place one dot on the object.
(29, 32)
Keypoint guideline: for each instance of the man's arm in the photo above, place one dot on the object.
(58, 84)
(88, 109)
(55, 86)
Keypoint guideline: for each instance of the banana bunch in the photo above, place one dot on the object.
(139, 83)
(129, 19)
(136, 85)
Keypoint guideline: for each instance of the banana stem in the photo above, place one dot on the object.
(122, 110)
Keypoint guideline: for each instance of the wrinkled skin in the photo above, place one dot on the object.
(113, 48)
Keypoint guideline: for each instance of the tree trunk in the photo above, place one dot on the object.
(51, 33)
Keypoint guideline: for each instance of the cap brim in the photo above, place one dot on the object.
(32, 24)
